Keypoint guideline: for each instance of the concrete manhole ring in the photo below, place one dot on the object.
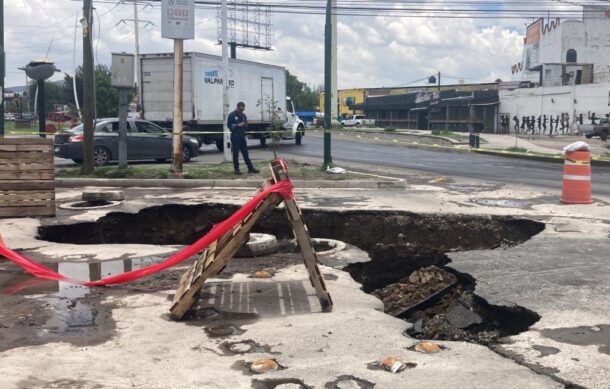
(325, 246)
(258, 245)
(85, 205)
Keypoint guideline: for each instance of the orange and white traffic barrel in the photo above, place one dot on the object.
(577, 178)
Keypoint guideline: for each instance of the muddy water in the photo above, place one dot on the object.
(37, 311)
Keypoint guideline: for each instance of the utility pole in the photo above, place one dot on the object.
(226, 134)
(178, 23)
(2, 70)
(328, 50)
(176, 170)
(136, 79)
(88, 89)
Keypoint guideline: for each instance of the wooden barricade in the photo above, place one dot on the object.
(27, 186)
(216, 256)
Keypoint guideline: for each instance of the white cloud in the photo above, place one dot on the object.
(373, 51)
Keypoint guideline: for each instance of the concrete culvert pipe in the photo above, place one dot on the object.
(258, 245)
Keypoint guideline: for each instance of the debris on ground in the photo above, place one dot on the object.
(410, 291)
(427, 347)
(264, 365)
(393, 365)
(440, 307)
(261, 274)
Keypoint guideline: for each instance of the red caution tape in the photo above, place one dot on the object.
(283, 188)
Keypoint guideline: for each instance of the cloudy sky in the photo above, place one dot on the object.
(372, 51)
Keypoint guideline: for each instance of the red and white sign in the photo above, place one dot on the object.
(178, 19)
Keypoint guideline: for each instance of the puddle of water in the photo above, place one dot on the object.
(70, 308)
(280, 383)
(598, 335)
(545, 351)
(349, 382)
(245, 347)
(222, 331)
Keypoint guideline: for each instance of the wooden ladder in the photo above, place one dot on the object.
(214, 259)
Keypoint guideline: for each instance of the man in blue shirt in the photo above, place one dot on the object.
(238, 124)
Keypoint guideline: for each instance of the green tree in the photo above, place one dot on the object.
(106, 96)
(302, 95)
(53, 94)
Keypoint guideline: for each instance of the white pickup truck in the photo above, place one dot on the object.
(358, 121)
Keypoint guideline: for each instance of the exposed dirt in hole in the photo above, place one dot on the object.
(440, 301)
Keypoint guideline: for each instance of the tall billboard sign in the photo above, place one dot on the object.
(178, 19)
(532, 44)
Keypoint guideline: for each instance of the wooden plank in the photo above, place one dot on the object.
(183, 303)
(25, 195)
(37, 175)
(27, 166)
(303, 239)
(310, 257)
(22, 203)
(27, 141)
(25, 155)
(27, 185)
(25, 147)
(27, 211)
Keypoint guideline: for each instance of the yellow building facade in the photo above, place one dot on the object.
(346, 98)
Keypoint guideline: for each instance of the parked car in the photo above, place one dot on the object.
(145, 140)
(602, 129)
(9, 117)
(358, 121)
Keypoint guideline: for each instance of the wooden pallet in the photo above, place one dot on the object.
(217, 255)
(27, 172)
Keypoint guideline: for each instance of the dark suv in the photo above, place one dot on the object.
(145, 140)
(602, 130)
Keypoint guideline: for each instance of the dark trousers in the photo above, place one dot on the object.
(238, 143)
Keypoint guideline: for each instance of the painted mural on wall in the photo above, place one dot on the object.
(547, 124)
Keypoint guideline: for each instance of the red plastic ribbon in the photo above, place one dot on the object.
(283, 188)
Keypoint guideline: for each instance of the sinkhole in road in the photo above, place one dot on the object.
(408, 269)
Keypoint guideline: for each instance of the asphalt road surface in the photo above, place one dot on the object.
(476, 166)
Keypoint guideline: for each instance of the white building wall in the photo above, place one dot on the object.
(590, 37)
(572, 102)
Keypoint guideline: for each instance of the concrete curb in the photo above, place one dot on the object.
(186, 183)
(507, 154)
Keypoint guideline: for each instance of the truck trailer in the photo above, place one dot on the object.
(261, 86)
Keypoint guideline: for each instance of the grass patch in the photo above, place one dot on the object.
(516, 149)
(389, 129)
(213, 172)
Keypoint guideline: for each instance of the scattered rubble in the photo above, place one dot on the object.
(427, 347)
(410, 292)
(261, 366)
(393, 365)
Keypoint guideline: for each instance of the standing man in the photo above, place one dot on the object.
(238, 124)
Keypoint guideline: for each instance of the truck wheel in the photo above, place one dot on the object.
(263, 140)
(358, 125)
(589, 136)
(298, 139)
(604, 136)
(219, 144)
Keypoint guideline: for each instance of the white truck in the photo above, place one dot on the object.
(358, 121)
(261, 86)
